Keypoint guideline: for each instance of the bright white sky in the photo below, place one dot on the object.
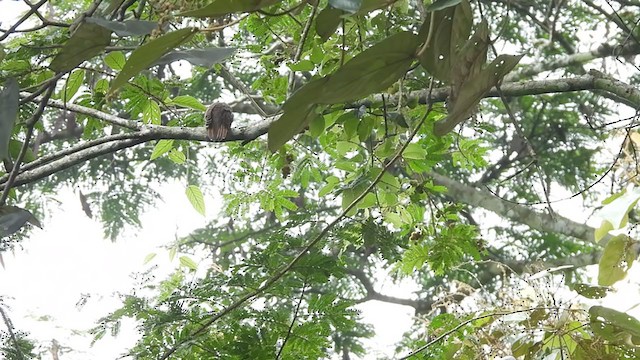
(43, 282)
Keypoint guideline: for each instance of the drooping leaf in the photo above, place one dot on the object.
(206, 57)
(151, 113)
(414, 151)
(177, 156)
(617, 258)
(127, 27)
(223, 7)
(86, 42)
(161, 148)
(73, 83)
(350, 6)
(196, 198)
(371, 71)
(9, 98)
(615, 212)
(442, 4)
(13, 218)
(450, 29)
(328, 21)
(147, 54)
(470, 59)
(298, 111)
(316, 126)
(474, 90)
(188, 101)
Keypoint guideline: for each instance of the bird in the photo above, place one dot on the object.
(218, 119)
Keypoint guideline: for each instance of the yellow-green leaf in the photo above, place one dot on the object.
(177, 156)
(73, 83)
(414, 152)
(86, 42)
(617, 258)
(148, 258)
(161, 147)
(147, 54)
(188, 263)
(188, 101)
(115, 60)
(194, 194)
(151, 113)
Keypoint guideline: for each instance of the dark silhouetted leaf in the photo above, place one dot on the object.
(147, 54)
(88, 41)
(127, 27)
(451, 28)
(200, 57)
(328, 21)
(370, 5)
(85, 205)
(13, 218)
(223, 7)
(9, 98)
(474, 90)
(616, 260)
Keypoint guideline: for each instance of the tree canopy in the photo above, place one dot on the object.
(400, 140)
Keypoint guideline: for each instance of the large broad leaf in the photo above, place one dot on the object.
(474, 90)
(617, 258)
(88, 41)
(126, 28)
(373, 70)
(9, 98)
(298, 111)
(12, 218)
(223, 7)
(327, 22)
(200, 57)
(147, 54)
(446, 30)
(614, 326)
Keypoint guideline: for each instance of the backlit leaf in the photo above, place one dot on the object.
(73, 83)
(161, 147)
(617, 258)
(194, 194)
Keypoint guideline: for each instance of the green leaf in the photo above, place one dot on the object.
(147, 54)
(474, 90)
(13, 218)
(614, 326)
(86, 42)
(615, 212)
(196, 198)
(189, 102)
(222, 7)
(9, 98)
(15, 146)
(442, 4)
(617, 258)
(177, 156)
(115, 60)
(328, 21)
(591, 291)
(101, 86)
(127, 27)
(303, 65)
(151, 113)
(415, 152)
(161, 147)
(371, 71)
(370, 5)
(316, 126)
(73, 83)
(188, 263)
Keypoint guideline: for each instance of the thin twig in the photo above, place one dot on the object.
(240, 86)
(12, 335)
(24, 17)
(300, 49)
(293, 321)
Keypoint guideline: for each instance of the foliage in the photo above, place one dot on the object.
(393, 129)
